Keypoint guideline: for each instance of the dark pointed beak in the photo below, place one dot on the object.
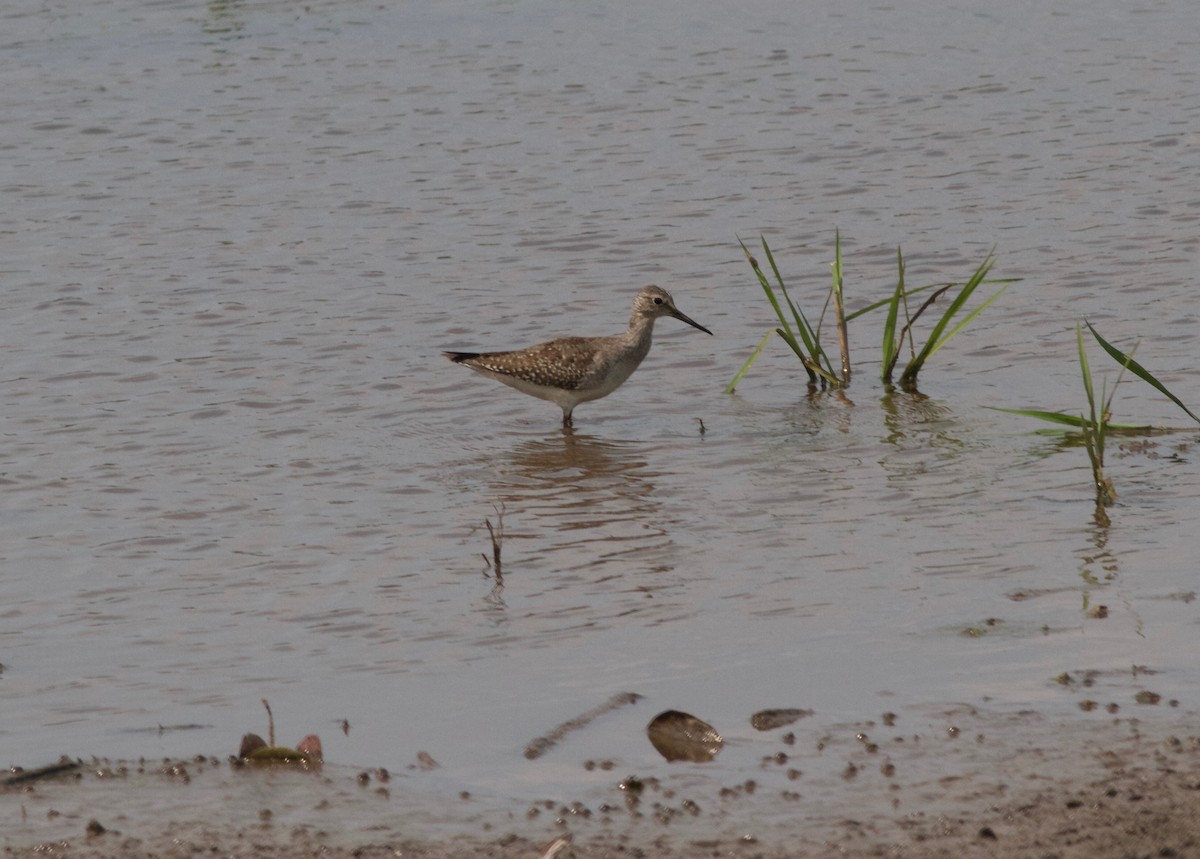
(682, 317)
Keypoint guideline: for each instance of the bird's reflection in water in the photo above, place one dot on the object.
(588, 537)
(584, 499)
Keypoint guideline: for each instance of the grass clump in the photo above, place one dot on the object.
(805, 341)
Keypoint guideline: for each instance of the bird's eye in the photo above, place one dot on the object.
(657, 300)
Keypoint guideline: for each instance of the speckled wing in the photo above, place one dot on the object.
(566, 363)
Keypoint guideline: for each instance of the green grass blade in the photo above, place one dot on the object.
(801, 322)
(1138, 370)
(839, 308)
(810, 353)
(964, 323)
(790, 339)
(729, 389)
(1093, 429)
(1074, 421)
(891, 349)
(884, 302)
(1077, 421)
(936, 341)
(804, 329)
(766, 285)
(779, 314)
(1087, 373)
(814, 369)
(887, 302)
(959, 300)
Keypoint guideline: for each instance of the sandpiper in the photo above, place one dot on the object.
(573, 370)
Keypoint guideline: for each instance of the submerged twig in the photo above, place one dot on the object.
(538, 747)
(64, 765)
(496, 533)
(270, 724)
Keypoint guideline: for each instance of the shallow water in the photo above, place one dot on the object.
(236, 239)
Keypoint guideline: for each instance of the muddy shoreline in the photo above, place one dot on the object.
(1130, 814)
(1003, 786)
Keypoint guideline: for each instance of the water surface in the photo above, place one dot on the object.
(236, 238)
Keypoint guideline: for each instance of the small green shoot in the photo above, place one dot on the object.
(1094, 427)
(1096, 424)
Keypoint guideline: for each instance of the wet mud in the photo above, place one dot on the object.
(980, 785)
